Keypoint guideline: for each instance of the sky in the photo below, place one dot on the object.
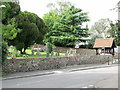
(96, 9)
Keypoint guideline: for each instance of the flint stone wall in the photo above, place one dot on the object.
(79, 51)
(27, 65)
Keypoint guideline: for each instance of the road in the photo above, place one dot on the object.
(61, 79)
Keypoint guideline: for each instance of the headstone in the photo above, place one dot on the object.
(47, 54)
(32, 52)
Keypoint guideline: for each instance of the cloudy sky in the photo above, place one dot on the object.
(97, 8)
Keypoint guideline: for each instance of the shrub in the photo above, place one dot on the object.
(4, 51)
(49, 49)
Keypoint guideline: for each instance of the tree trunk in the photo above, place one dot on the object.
(21, 52)
(24, 51)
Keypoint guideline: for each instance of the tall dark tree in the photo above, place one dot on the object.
(21, 29)
(32, 30)
(11, 10)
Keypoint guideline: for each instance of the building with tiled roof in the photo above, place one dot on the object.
(105, 46)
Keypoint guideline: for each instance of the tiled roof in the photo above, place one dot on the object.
(101, 43)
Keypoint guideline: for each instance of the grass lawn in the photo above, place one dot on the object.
(16, 53)
(28, 51)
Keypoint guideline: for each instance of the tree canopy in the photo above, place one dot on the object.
(21, 29)
(10, 11)
(101, 27)
(32, 30)
(66, 28)
(114, 32)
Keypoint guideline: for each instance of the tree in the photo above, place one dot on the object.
(59, 6)
(92, 41)
(12, 9)
(32, 31)
(67, 28)
(101, 27)
(9, 32)
(118, 34)
(49, 49)
(21, 29)
(9, 29)
(4, 51)
(114, 32)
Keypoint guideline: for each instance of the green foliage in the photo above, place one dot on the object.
(12, 9)
(49, 47)
(66, 29)
(29, 31)
(118, 33)
(10, 31)
(114, 32)
(32, 30)
(21, 29)
(92, 41)
(50, 19)
(4, 51)
(9, 28)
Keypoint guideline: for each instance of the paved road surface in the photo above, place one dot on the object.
(76, 79)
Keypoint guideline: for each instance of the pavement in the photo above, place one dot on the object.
(102, 84)
(109, 82)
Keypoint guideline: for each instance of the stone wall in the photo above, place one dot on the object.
(26, 65)
(79, 51)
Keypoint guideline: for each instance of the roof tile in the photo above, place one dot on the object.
(102, 43)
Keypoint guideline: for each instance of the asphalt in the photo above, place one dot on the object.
(101, 84)
(53, 71)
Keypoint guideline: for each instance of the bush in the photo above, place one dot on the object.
(92, 41)
(4, 51)
(49, 48)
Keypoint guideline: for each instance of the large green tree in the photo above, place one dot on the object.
(67, 28)
(114, 32)
(21, 29)
(32, 30)
(9, 30)
(10, 11)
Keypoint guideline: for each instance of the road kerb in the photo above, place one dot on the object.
(89, 68)
(16, 77)
(41, 74)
